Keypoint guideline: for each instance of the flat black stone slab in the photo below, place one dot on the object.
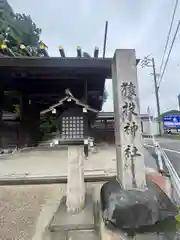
(64, 221)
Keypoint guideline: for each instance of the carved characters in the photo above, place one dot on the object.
(129, 114)
(131, 128)
(128, 90)
(131, 152)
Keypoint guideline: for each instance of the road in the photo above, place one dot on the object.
(172, 149)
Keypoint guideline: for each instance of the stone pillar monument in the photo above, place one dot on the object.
(128, 138)
(75, 180)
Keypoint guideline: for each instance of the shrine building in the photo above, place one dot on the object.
(74, 85)
(71, 88)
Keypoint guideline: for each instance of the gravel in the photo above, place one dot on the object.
(20, 208)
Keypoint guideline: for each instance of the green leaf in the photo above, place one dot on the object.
(21, 30)
(177, 218)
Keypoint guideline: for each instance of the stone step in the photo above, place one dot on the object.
(57, 236)
(74, 235)
(64, 221)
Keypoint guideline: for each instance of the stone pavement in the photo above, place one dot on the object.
(35, 163)
(25, 211)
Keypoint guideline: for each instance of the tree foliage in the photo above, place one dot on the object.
(17, 29)
(47, 125)
(8, 24)
(30, 33)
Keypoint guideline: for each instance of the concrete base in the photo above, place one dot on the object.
(58, 236)
(64, 221)
(74, 235)
(82, 235)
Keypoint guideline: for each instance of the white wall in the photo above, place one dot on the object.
(147, 127)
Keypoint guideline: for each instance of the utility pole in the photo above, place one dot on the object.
(179, 101)
(157, 95)
(105, 39)
(145, 63)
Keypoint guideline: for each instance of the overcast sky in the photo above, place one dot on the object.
(138, 24)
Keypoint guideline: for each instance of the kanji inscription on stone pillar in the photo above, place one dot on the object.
(129, 143)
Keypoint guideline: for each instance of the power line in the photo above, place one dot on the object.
(167, 60)
(169, 33)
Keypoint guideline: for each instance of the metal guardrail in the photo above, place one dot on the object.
(175, 180)
(164, 160)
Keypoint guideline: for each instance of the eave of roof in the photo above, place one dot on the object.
(99, 64)
(102, 65)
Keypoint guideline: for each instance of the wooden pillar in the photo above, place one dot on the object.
(128, 138)
(1, 102)
(142, 127)
(1, 114)
(86, 133)
(86, 126)
(105, 130)
(23, 134)
(29, 123)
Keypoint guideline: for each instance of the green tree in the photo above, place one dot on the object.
(30, 33)
(16, 29)
(47, 125)
(8, 27)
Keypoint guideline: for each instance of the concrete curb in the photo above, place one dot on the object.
(51, 180)
(162, 181)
